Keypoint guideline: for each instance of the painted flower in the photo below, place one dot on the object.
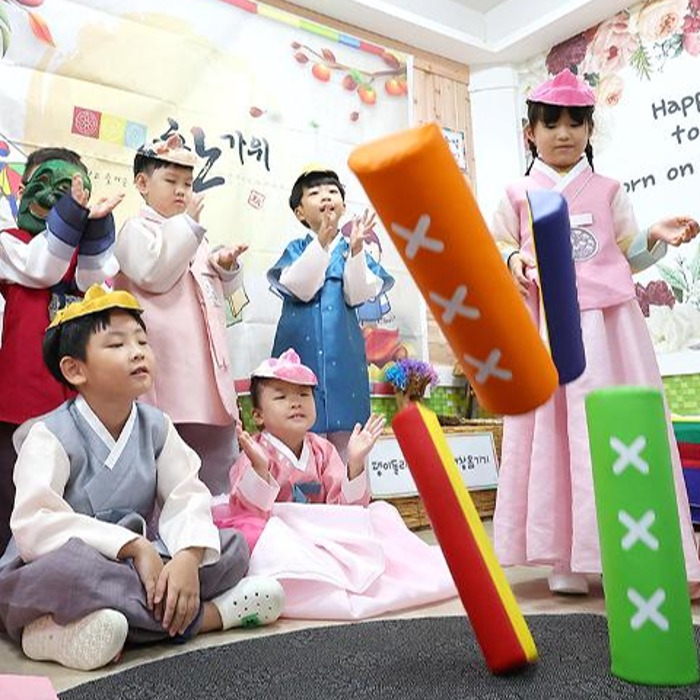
(611, 47)
(691, 44)
(642, 298)
(659, 19)
(568, 54)
(656, 293)
(691, 29)
(610, 90)
(673, 330)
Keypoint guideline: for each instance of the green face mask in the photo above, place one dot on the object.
(47, 184)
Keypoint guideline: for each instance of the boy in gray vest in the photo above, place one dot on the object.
(82, 575)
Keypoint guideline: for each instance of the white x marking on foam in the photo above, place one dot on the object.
(629, 456)
(638, 530)
(490, 367)
(454, 307)
(418, 237)
(648, 609)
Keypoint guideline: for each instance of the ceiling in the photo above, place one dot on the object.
(472, 31)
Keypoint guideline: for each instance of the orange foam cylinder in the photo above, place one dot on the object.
(430, 213)
(498, 623)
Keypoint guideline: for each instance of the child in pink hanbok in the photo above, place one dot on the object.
(545, 510)
(166, 263)
(306, 516)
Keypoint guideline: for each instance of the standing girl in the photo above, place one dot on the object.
(545, 512)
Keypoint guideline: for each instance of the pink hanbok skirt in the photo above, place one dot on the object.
(348, 562)
(545, 507)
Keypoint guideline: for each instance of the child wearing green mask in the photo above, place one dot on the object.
(61, 246)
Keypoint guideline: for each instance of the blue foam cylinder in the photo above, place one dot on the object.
(551, 232)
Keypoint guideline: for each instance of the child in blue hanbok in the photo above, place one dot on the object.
(322, 279)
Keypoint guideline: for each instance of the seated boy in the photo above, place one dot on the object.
(81, 575)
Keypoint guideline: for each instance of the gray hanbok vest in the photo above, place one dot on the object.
(124, 494)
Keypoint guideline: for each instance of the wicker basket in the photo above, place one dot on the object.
(411, 507)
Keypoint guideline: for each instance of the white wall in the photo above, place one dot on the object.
(498, 150)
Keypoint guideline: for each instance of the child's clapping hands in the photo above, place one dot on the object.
(227, 258)
(99, 209)
(361, 226)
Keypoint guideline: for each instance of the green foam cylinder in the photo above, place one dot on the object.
(646, 591)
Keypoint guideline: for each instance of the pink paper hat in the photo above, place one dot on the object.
(286, 367)
(565, 90)
(172, 150)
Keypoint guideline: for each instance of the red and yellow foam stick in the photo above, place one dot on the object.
(498, 623)
(430, 213)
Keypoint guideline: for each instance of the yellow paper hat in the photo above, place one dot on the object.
(96, 299)
(315, 167)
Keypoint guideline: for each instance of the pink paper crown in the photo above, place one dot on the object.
(286, 367)
(565, 90)
(172, 150)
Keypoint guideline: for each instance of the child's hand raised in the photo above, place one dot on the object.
(360, 228)
(674, 231)
(228, 257)
(195, 206)
(105, 206)
(255, 453)
(78, 191)
(361, 442)
(328, 229)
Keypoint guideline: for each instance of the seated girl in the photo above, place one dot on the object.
(338, 558)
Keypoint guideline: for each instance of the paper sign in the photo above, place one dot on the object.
(456, 142)
(474, 453)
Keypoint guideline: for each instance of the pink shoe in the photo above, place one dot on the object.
(566, 582)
